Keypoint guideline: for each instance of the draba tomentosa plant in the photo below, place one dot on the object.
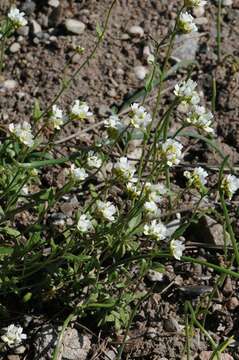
(93, 262)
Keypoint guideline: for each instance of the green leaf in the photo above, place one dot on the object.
(10, 231)
(36, 111)
(99, 30)
(4, 251)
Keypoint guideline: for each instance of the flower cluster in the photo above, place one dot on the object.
(155, 230)
(124, 169)
(106, 209)
(185, 91)
(85, 223)
(93, 160)
(113, 125)
(78, 174)
(23, 132)
(13, 335)
(57, 118)
(230, 184)
(171, 151)
(177, 247)
(17, 18)
(139, 118)
(186, 23)
(197, 178)
(201, 118)
(80, 110)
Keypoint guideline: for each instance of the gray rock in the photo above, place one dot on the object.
(36, 28)
(23, 31)
(29, 7)
(75, 346)
(140, 72)
(136, 31)
(154, 276)
(8, 85)
(209, 231)
(54, 3)
(15, 47)
(171, 325)
(75, 26)
(45, 342)
(187, 47)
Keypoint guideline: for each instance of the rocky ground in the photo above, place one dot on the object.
(35, 59)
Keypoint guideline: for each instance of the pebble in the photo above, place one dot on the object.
(152, 332)
(154, 276)
(8, 85)
(233, 303)
(36, 28)
(227, 287)
(75, 346)
(136, 31)
(186, 47)
(20, 350)
(29, 7)
(13, 357)
(171, 325)
(199, 11)
(23, 31)
(54, 3)
(140, 72)
(75, 26)
(15, 47)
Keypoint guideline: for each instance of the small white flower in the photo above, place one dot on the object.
(78, 174)
(57, 118)
(194, 3)
(17, 17)
(172, 152)
(25, 190)
(139, 118)
(185, 90)
(113, 122)
(132, 187)
(155, 230)
(80, 110)
(13, 335)
(93, 160)
(230, 184)
(85, 224)
(177, 248)
(186, 24)
(156, 192)
(197, 178)
(200, 118)
(106, 209)
(151, 209)
(23, 133)
(124, 169)
(150, 59)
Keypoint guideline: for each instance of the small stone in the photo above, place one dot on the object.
(227, 287)
(75, 26)
(29, 7)
(171, 325)
(15, 47)
(8, 85)
(136, 31)
(23, 31)
(20, 350)
(209, 231)
(186, 48)
(110, 355)
(103, 110)
(201, 21)
(154, 276)
(140, 72)
(75, 346)
(233, 303)
(199, 11)
(76, 58)
(152, 332)
(13, 357)
(36, 28)
(54, 3)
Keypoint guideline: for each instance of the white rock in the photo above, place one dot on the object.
(15, 47)
(75, 26)
(36, 28)
(153, 275)
(54, 3)
(140, 72)
(136, 31)
(8, 85)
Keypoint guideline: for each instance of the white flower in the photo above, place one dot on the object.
(80, 110)
(172, 152)
(132, 187)
(156, 192)
(185, 90)
(197, 177)
(230, 184)
(106, 209)
(151, 209)
(186, 24)
(177, 248)
(78, 174)
(200, 118)
(113, 122)
(194, 3)
(93, 160)
(13, 335)
(155, 230)
(140, 119)
(17, 17)
(23, 133)
(124, 169)
(57, 118)
(84, 224)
